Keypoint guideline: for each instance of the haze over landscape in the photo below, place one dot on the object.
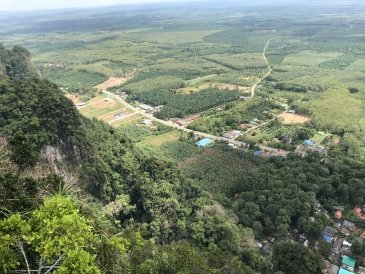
(150, 137)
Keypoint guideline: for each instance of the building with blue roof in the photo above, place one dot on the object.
(309, 142)
(348, 263)
(344, 271)
(328, 234)
(204, 142)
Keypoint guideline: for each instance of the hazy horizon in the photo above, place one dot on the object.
(39, 5)
(25, 5)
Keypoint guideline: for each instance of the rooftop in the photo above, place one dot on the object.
(309, 143)
(204, 142)
(348, 261)
(344, 271)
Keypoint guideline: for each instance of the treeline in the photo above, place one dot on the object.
(299, 88)
(184, 74)
(179, 105)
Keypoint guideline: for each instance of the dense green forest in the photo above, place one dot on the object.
(272, 195)
(179, 105)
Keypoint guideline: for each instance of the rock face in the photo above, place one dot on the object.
(52, 155)
(37, 110)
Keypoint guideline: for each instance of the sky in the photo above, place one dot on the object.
(24, 5)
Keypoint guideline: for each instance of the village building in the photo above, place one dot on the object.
(158, 108)
(346, 248)
(266, 248)
(145, 107)
(337, 245)
(344, 271)
(204, 142)
(309, 142)
(243, 126)
(232, 134)
(328, 233)
(348, 263)
(146, 122)
(333, 269)
(257, 153)
(358, 212)
(336, 251)
(180, 122)
(338, 214)
(347, 227)
(232, 145)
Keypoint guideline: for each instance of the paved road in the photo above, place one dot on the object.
(206, 135)
(197, 133)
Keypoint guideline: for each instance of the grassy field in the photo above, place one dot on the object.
(159, 140)
(132, 119)
(108, 109)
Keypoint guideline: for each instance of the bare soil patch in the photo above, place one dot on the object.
(103, 103)
(232, 87)
(223, 86)
(290, 118)
(111, 82)
(112, 115)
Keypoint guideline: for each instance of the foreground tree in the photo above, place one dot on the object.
(56, 239)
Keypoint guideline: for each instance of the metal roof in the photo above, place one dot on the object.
(204, 142)
(348, 261)
(344, 271)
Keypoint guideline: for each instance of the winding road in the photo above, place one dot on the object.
(202, 134)
(253, 88)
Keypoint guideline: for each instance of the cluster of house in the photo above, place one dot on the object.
(340, 260)
(311, 146)
(347, 266)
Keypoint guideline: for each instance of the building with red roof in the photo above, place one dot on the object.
(357, 210)
(338, 214)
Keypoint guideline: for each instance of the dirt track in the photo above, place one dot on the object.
(267, 74)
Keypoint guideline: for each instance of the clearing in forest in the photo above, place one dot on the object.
(290, 118)
(111, 82)
(158, 140)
